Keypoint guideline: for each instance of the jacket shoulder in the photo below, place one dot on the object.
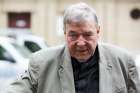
(116, 50)
(118, 56)
(43, 59)
(47, 54)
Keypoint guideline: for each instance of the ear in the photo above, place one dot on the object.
(64, 29)
(98, 30)
(65, 34)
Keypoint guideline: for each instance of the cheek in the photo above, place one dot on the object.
(68, 40)
(70, 43)
(92, 44)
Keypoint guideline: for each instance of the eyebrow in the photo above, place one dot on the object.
(80, 33)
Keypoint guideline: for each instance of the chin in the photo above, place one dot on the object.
(82, 60)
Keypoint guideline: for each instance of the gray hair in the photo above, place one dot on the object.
(79, 12)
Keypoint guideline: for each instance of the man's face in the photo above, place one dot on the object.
(82, 39)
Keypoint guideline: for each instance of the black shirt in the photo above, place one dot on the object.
(86, 75)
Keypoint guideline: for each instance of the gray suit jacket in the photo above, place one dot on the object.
(50, 71)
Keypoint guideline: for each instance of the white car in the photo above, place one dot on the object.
(13, 61)
(31, 42)
(25, 38)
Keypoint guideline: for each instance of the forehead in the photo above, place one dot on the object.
(85, 25)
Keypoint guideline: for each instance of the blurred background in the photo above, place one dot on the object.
(27, 26)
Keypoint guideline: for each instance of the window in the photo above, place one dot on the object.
(19, 20)
(4, 55)
(33, 47)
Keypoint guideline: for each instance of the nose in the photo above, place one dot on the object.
(81, 41)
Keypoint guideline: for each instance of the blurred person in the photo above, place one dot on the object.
(82, 65)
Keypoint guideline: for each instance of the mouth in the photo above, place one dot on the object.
(82, 50)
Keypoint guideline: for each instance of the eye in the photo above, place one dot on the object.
(73, 35)
(88, 34)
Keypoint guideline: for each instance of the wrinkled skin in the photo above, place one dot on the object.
(82, 38)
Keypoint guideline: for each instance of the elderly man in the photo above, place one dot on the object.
(82, 65)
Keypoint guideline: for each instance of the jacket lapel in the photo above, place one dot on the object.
(105, 72)
(66, 73)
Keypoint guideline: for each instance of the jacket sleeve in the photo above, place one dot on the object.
(26, 83)
(133, 78)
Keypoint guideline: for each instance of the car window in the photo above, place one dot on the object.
(33, 47)
(4, 55)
